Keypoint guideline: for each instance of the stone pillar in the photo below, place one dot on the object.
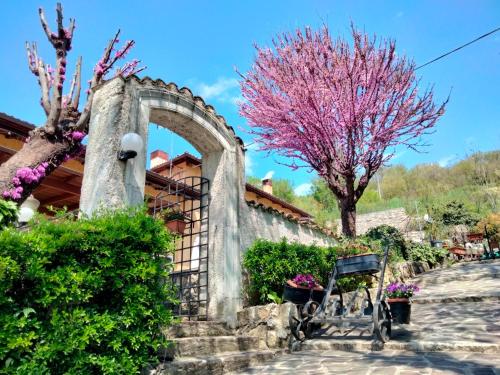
(107, 181)
(224, 250)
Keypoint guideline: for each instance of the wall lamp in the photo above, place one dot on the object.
(27, 209)
(131, 145)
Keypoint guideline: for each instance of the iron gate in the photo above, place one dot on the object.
(190, 197)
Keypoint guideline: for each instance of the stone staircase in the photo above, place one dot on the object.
(210, 348)
(458, 309)
(455, 329)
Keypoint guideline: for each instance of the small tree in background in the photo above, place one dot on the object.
(339, 109)
(61, 135)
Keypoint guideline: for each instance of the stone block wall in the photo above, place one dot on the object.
(257, 223)
(396, 217)
(270, 323)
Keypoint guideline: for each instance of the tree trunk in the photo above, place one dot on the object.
(348, 215)
(39, 149)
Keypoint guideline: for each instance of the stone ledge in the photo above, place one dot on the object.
(215, 365)
(351, 345)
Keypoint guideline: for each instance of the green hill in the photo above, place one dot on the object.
(473, 182)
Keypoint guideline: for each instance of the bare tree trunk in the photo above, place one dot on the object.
(65, 126)
(39, 149)
(347, 207)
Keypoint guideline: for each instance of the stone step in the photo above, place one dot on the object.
(351, 345)
(198, 328)
(209, 345)
(455, 299)
(216, 364)
(441, 279)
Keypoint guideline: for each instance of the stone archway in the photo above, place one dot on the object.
(129, 105)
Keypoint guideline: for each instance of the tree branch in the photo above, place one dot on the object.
(37, 67)
(45, 25)
(78, 80)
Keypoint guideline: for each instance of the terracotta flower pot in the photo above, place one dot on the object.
(300, 295)
(176, 226)
(400, 310)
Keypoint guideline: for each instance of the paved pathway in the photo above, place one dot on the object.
(455, 330)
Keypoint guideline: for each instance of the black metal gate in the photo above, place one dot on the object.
(190, 197)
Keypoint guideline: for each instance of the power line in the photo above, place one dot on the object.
(458, 48)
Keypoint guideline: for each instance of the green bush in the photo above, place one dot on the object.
(392, 236)
(271, 264)
(84, 297)
(425, 253)
(8, 213)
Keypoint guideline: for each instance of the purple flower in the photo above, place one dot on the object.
(41, 170)
(77, 136)
(305, 280)
(16, 181)
(395, 290)
(6, 194)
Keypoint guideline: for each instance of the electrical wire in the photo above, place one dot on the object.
(459, 48)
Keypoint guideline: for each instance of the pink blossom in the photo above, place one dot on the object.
(41, 169)
(6, 194)
(77, 136)
(337, 107)
(16, 181)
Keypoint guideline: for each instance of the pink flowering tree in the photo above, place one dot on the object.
(66, 125)
(337, 108)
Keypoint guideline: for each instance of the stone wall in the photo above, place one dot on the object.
(270, 323)
(257, 222)
(396, 217)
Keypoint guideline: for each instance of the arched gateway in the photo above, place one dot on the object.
(128, 105)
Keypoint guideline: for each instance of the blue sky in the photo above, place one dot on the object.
(198, 44)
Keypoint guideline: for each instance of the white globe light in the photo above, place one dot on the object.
(132, 142)
(28, 209)
(131, 145)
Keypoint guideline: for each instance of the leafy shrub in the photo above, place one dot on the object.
(390, 235)
(492, 225)
(84, 297)
(8, 213)
(420, 252)
(271, 264)
(456, 213)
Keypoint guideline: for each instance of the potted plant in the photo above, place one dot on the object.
(356, 259)
(303, 288)
(398, 296)
(175, 221)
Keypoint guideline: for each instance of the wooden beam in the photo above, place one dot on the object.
(58, 198)
(61, 185)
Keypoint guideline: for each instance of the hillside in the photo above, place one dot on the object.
(473, 181)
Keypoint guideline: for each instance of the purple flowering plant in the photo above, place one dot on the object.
(401, 290)
(306, 280)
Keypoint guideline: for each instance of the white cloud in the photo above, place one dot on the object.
(220, 90)
(269, 175)
(237, 100)
(303, 189)
(397, 155)
(446, 161)
(249, 164)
